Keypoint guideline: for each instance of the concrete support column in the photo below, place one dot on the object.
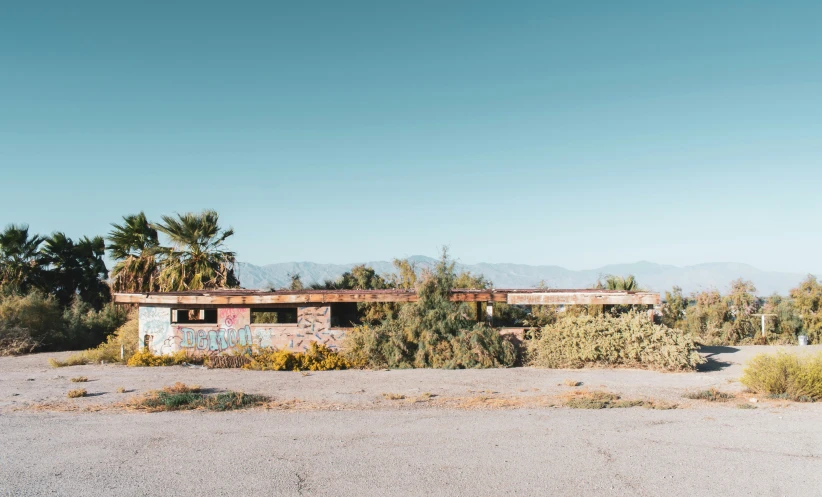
(651, 313)
(489, 313)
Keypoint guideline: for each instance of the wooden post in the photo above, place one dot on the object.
(763, 325)
(479, 312)
(651, 313)
(489, 313)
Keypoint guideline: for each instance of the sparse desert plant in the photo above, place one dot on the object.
(794, 377)
(180, 387)
(572, 383)
(393, 396)
(121, 389)
(629, 340)
(79, 379)
(711, 395)
(79, 392)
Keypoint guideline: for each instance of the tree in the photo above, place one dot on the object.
(673, 312)
(74, 270)
(20, 258)
(196, 258)
(807, 298)
(296, 283)
(134, 245)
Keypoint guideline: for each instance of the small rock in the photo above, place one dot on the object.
(753, 400)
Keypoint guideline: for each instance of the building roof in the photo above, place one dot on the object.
(533, 296)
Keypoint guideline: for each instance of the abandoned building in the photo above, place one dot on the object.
(222, 321)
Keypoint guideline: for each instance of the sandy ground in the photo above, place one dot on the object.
(483, 432)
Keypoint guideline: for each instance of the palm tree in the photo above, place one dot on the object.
(134, 245)
(20, 258)
(197, 258)
(628, 283)
(76, 269)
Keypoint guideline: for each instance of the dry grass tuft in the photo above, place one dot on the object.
(745, 406)
(393, 396)
(79, 392)
(121, 389)
(572, 383)
(181, 387)
(79, 379)
(597, 399)
(711, 395)
(73, 360)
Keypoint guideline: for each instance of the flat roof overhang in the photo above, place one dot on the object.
(522, 296)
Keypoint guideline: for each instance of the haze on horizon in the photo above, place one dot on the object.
(539, 133)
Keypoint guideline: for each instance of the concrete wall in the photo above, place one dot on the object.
(234, 332)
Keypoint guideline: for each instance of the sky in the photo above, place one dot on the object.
(570, 133)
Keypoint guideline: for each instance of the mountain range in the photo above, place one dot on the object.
(651, 276)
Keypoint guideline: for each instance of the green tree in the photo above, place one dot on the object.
(673, 311)
(134, 245)
(807, 299)
(196, 257)
(20, 258)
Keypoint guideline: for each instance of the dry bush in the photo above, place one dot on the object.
(572, 383)
(786, 376)
(15, 340)
(79, 379)
(711, 395)
(79, 392)
(227, 361)
(604, 340)
(393, 396)
(317, 358)
(121, 389)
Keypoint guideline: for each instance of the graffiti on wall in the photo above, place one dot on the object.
(234, 331)
(154, 324)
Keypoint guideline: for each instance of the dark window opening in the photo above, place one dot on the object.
(189, 316)
(345, 315)
(276, 315)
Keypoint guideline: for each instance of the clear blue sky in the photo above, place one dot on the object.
(569, 133)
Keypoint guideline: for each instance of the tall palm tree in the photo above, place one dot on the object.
(196, 258)
(134, 245)
(20, 258)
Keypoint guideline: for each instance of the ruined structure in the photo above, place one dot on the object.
(222, 321)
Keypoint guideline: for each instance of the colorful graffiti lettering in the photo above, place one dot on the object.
(215, 340)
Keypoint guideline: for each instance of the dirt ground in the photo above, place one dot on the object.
(409, 432)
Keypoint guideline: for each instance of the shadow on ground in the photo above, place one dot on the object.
(715, 363)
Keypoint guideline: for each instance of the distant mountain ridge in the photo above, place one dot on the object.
(651, 276)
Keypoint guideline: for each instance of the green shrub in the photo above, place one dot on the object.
(789, 376)
(126, 336)
(600, 400)
(604, 340)
(84, 327)
(432, 332)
